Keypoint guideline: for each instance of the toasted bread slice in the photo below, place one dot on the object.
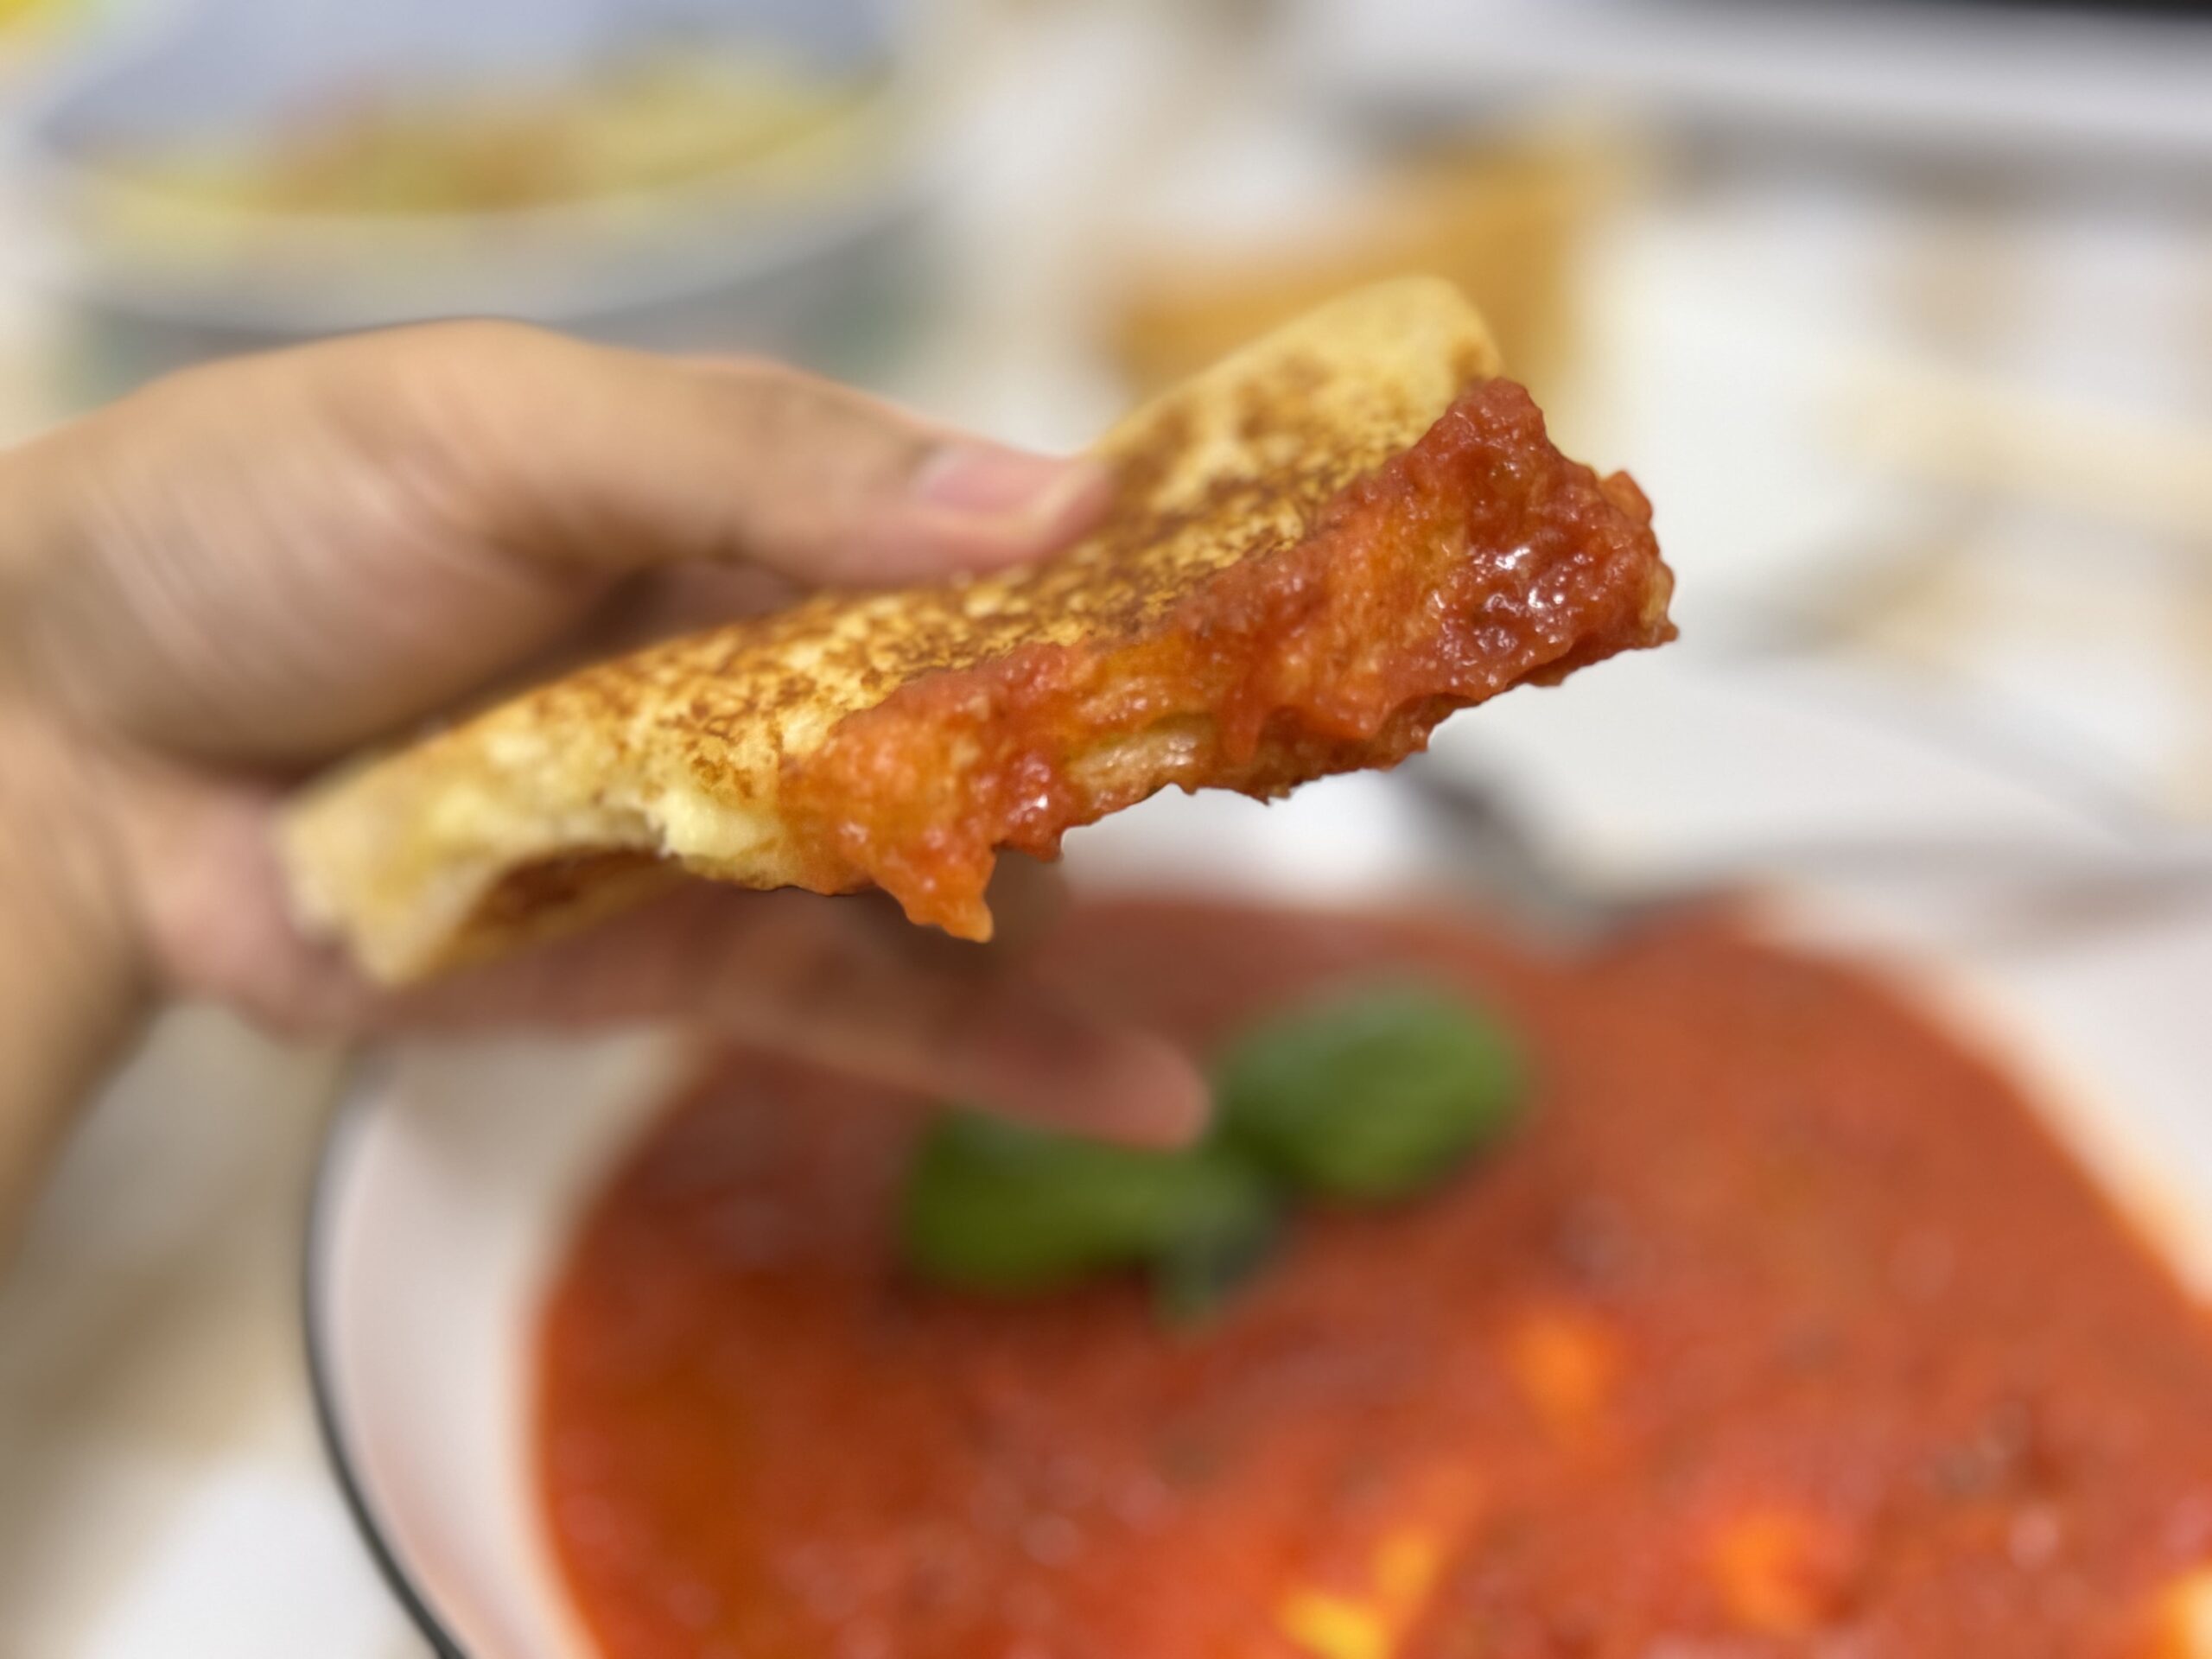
(1319, 549)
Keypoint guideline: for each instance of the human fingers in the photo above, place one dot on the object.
(838, 982)
(601, 459)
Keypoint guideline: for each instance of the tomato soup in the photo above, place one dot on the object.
(1781, 1326)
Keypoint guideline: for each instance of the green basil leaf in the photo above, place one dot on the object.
(1369, 1094)
(999, 1206)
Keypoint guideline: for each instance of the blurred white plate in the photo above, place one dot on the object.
(449, 1184)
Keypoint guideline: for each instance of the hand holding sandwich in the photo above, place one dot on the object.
(226, 580)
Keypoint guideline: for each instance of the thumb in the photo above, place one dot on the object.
(274, 558)
(601, 458)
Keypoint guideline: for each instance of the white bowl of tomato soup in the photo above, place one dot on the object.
(1833, 1286)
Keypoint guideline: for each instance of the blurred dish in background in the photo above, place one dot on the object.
(693, 173)
(658, 121)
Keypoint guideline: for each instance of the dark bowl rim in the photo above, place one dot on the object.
(366, 1074)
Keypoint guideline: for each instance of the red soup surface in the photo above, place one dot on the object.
(1781, 1327)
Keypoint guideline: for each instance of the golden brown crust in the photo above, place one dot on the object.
(1478, 557)
(750, 754)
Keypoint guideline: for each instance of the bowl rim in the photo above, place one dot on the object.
(366, 1073)
(2014, 749)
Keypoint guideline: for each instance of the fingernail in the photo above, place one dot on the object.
(990, 481)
